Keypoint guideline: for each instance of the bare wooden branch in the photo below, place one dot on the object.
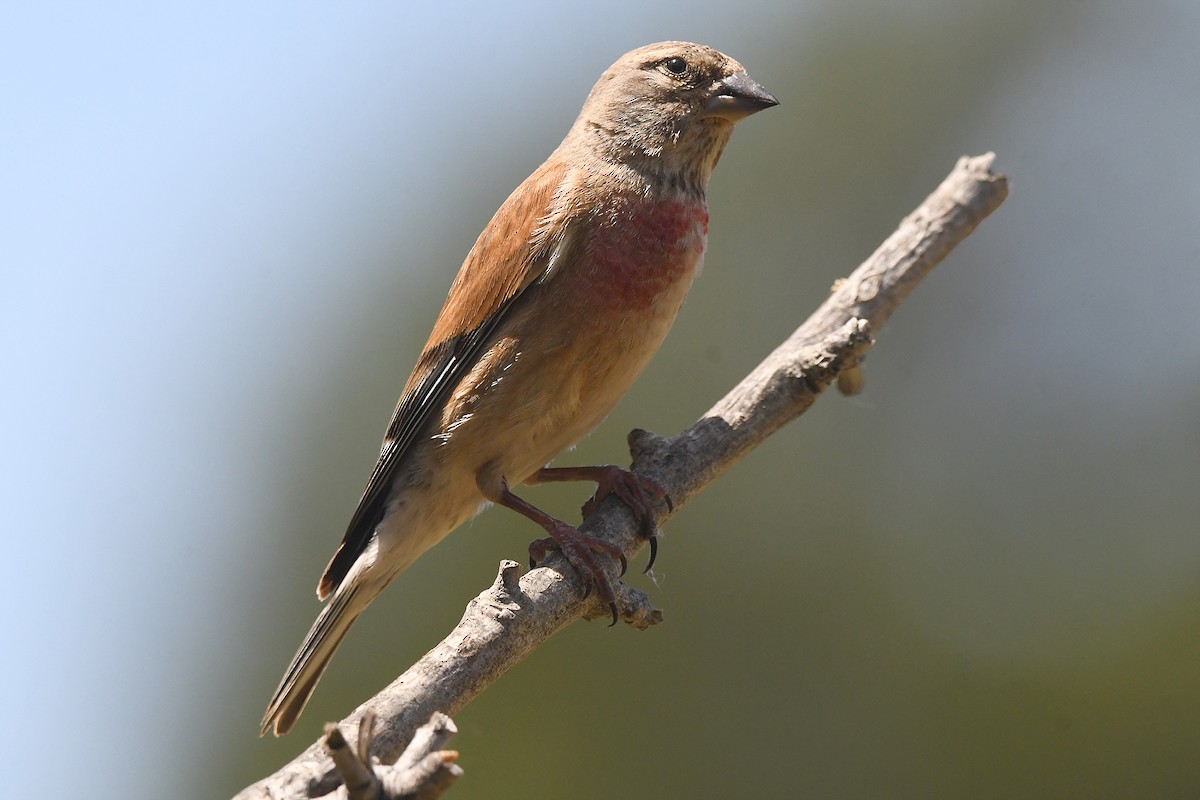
(518, 612)
(354, 768)
(424, 771)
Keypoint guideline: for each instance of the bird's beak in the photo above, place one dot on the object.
(738, 96)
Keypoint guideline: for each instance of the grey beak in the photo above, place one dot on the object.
(738, 97)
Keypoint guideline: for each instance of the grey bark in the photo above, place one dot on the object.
(509, 620)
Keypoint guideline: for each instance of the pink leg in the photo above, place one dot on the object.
(579, 549)
(636, 491)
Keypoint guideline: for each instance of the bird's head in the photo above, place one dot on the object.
(668, 108)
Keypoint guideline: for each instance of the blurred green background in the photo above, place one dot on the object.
(226, 230)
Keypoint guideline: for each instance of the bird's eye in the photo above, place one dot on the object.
(675, 66)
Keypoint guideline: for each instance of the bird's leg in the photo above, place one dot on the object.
(579, 549)
(636, 491)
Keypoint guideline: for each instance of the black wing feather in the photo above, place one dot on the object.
(451, 361)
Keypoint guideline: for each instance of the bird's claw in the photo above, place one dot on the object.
(581, 551)
(539, 549)
(638, 493)
(653, 554)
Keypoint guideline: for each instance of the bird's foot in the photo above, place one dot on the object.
(581, 551)
(637, 492)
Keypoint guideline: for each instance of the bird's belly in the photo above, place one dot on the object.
(563, 360)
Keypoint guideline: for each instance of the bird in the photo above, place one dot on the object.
(558, 307)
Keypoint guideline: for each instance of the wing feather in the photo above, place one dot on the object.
(521, 246)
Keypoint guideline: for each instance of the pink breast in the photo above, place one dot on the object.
(640, 251)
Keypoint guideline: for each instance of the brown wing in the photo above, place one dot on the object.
(520, 246)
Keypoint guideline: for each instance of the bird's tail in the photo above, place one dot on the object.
(310, 661)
